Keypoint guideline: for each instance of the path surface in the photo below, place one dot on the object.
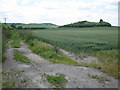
(88, 59)
(77, 76)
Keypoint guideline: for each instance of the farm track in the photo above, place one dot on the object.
(77, 76)
(89, 59)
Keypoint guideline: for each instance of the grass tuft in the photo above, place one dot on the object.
(57, 81)
(19, 57)
(99, 78)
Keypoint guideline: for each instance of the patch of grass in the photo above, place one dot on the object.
(15, 39)
(4, 58)
(10, 84)
(47, 52)
(57, 81)
(19, 57)
(111, 69)
(14, 79)
(108, 61)
(99, 78)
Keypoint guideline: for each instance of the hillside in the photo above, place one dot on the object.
(49, 24)
(101, 23)
(36, 26)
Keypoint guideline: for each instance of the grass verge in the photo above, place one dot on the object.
(3, 44)
(15, 40)
(49, 53)
(19, 57)
(108, 61)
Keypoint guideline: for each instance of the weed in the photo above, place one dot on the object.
(57, 81)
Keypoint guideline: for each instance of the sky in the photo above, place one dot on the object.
(59, 12)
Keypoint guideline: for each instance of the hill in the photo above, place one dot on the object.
(79, 24)
(36, 26)
(49, 24)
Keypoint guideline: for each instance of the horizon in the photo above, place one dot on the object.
(49, 23)
(59, 12)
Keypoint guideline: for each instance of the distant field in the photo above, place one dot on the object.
(37, 26)
(81, 39)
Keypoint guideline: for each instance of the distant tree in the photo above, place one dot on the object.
(13, 25)
(19, 27)
(101, 21)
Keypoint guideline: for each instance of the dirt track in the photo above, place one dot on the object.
(77, 76)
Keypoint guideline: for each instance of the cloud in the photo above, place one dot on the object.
(24, 1)
(58, 11)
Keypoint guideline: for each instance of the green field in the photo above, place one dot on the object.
(80, 40)
(36, 26)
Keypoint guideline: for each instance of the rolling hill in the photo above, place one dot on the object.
(79, 24)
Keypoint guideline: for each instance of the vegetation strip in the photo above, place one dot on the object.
(15, 39)
(6, 34)
(19, 57)
(49, 53)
